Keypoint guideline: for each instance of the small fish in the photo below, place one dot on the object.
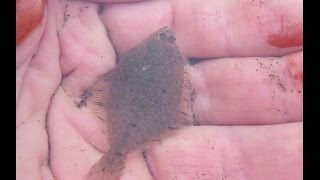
(144, 99)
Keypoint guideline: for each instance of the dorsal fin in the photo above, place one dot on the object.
(97, 98)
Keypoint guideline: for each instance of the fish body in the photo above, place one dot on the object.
(141, 100)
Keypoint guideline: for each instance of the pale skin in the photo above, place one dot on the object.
(248, 91)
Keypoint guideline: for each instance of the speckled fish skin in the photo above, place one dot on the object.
(147, 95)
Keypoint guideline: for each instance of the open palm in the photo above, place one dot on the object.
(248, 89)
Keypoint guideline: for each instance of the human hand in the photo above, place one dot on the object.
(251, 75)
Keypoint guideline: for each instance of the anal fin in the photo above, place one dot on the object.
(185, 110)
(97, 99)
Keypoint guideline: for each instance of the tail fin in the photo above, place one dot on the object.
(109, 167)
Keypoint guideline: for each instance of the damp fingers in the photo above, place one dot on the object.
(230, 152)
(37, 78)
(210, 29)
(254, 90)
(238, 28)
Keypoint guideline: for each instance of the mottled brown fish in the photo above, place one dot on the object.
(142, 100)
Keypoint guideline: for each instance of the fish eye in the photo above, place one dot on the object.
(162, 35)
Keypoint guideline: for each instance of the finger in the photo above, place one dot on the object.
(238, 28)
(248, 90)
(28, 44)
(86, 52)
(73, 149)
(31, 19)
(247, 152)
(130, 21)
(210, 29)
(39, 82)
